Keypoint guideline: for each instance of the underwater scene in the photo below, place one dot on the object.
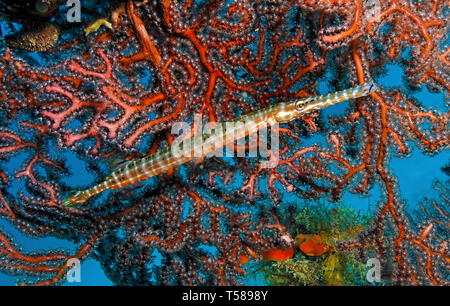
(224, 142)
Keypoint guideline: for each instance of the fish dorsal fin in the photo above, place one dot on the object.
(117, 163)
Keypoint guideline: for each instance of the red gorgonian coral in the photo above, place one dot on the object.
(117, 92)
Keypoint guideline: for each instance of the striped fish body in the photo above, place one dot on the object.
(222, 134)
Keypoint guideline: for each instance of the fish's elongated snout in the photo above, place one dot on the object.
(371, 87)
(326, 100)
(298, 108)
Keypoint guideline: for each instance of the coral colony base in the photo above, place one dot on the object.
(80, 93)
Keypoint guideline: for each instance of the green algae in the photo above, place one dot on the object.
(333, 224)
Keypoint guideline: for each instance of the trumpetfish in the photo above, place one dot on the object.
(163, 160)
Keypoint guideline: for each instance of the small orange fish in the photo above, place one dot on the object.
(278, 254)
(244, 259)
(312, 245)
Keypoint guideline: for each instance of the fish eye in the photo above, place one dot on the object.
(42, 6)
(299, 104)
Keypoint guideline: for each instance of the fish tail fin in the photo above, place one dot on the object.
(76, 198)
